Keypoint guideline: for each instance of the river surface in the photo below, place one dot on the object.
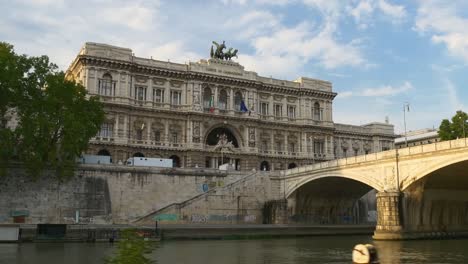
(292, 250)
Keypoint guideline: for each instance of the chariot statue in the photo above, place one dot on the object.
(218, 53)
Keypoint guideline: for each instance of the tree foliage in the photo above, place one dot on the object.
(54, 116)
(456, 128)
(131, 249)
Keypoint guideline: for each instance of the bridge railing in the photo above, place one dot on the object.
(437, 146)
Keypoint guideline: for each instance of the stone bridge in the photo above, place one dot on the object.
(420, 190)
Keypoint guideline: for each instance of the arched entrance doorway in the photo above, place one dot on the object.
(292, 165)
(139, 155)
(175, 161)
(264, 166)
(224, 142)
(216, 135)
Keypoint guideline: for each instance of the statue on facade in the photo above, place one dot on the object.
(217, 53)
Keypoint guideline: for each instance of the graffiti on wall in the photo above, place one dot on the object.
(81, 220)
(166, 217)
(210, 185)
(196, 218)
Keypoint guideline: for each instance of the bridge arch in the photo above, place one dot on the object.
(292, 187)
(430, 168)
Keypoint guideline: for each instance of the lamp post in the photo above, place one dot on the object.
(405, 108)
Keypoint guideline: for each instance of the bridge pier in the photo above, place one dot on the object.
(389, 213)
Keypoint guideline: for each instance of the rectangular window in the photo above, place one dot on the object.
(139, 134)
(174, 138)
(106, 130)
(264, 146)
(292, 148)
(176, 97)
(158, 95)
(264, 108)
(140, 93)
(291, 111)
(278, 110)
(278, 146)
(106, 87)
(318, 147)
(157, 136)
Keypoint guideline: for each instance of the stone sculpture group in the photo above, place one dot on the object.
(219, 54)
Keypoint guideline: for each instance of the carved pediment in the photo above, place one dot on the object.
(159, 81)
(356, 145)
(344, 145)
(141, 79)
(278, 97)
(176, 83)
(291, 99)
(264, 96)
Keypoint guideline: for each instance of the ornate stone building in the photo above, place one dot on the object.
(212, 112)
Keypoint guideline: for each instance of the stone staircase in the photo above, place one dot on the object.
(241, 187)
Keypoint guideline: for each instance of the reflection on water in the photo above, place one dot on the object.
(300, 250)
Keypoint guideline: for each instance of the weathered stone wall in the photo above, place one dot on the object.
(107, 194)
(241, 202)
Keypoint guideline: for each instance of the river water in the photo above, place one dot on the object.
(292, 250)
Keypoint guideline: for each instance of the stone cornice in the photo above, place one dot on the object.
(203, 77)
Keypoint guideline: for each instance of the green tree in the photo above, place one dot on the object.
(456, 128)
(55, 118)
(131, 249)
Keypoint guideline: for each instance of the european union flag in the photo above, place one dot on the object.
(243, 108)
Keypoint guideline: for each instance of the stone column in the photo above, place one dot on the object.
(231, 100)
(116, 128)
(148, 131)
(215, 99)
(389, 224)
(166, 132)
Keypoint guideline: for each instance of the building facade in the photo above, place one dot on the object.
(417, 137)
(213, 112)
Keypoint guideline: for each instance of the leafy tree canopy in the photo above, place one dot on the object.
(456, 128)
(53, 118)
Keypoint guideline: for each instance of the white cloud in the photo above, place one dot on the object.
(385, 90)
(301, 42)
(134, 16)
(253, 23)
(443, 21)
(175, 51)
(361, 12)
(397, 12)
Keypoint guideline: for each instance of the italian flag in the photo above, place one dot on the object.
(211, 105)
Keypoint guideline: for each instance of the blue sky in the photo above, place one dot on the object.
(378, 54)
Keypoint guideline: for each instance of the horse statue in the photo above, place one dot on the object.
(230, 54)
(218, 54)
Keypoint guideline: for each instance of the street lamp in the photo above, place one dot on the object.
(405, 108)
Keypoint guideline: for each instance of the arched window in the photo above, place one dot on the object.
(223, 98)
(175, 161)
(292, 165)
(139, 155)
(264, 166)
(237, 101)
(317, 112)
(207, 98)
(106, 85)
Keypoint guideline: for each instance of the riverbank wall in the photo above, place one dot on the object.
(115, 194)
